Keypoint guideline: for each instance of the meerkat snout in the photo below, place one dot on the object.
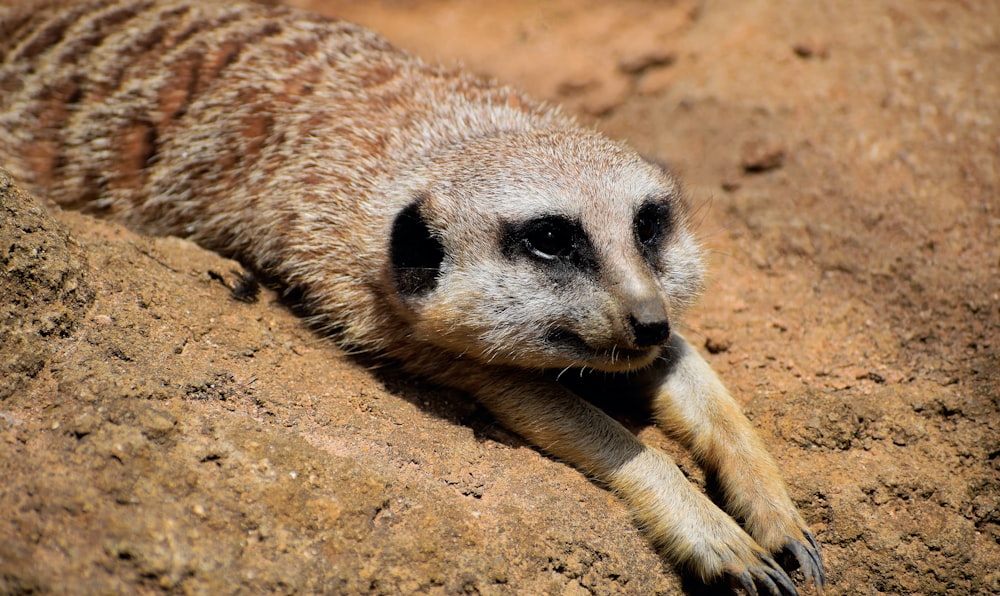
(644, 304)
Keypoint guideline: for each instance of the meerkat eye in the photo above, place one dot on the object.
(650, 222)
(550, 238)
(646, 228)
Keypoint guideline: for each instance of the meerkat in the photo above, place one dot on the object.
(481, 238)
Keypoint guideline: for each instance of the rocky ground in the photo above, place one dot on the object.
(158, 435)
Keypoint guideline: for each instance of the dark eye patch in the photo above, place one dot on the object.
(416, 253)
(653, 223)
(550, 239)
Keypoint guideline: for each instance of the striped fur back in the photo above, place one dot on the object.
(89, 92)
(127, 108)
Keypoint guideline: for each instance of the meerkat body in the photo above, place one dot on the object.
(477, 236)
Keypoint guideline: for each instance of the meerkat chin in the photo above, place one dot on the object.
(452, 224)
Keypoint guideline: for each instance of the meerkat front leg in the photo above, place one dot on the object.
(691, 403)
(694, 533)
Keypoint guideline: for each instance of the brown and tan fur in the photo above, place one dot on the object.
(477, 236)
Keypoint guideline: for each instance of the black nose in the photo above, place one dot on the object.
(649, 334)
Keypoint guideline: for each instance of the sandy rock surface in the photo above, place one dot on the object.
(159, 435)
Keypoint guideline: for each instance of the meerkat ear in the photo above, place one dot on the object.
(415, 251)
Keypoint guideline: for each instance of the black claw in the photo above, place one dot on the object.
(806, 557)
(763, 578)
(766, 578)
(778, 574)
(800, 553)
(745, 581)
(818, 571)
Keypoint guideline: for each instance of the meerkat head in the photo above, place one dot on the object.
(545, 250)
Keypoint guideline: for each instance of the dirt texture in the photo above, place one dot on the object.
(159, 435)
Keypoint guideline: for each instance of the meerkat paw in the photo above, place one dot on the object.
(694, 533)
(742, 564)
(787, 538)
(764, 578)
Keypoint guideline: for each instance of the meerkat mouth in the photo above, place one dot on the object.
(617, 357)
